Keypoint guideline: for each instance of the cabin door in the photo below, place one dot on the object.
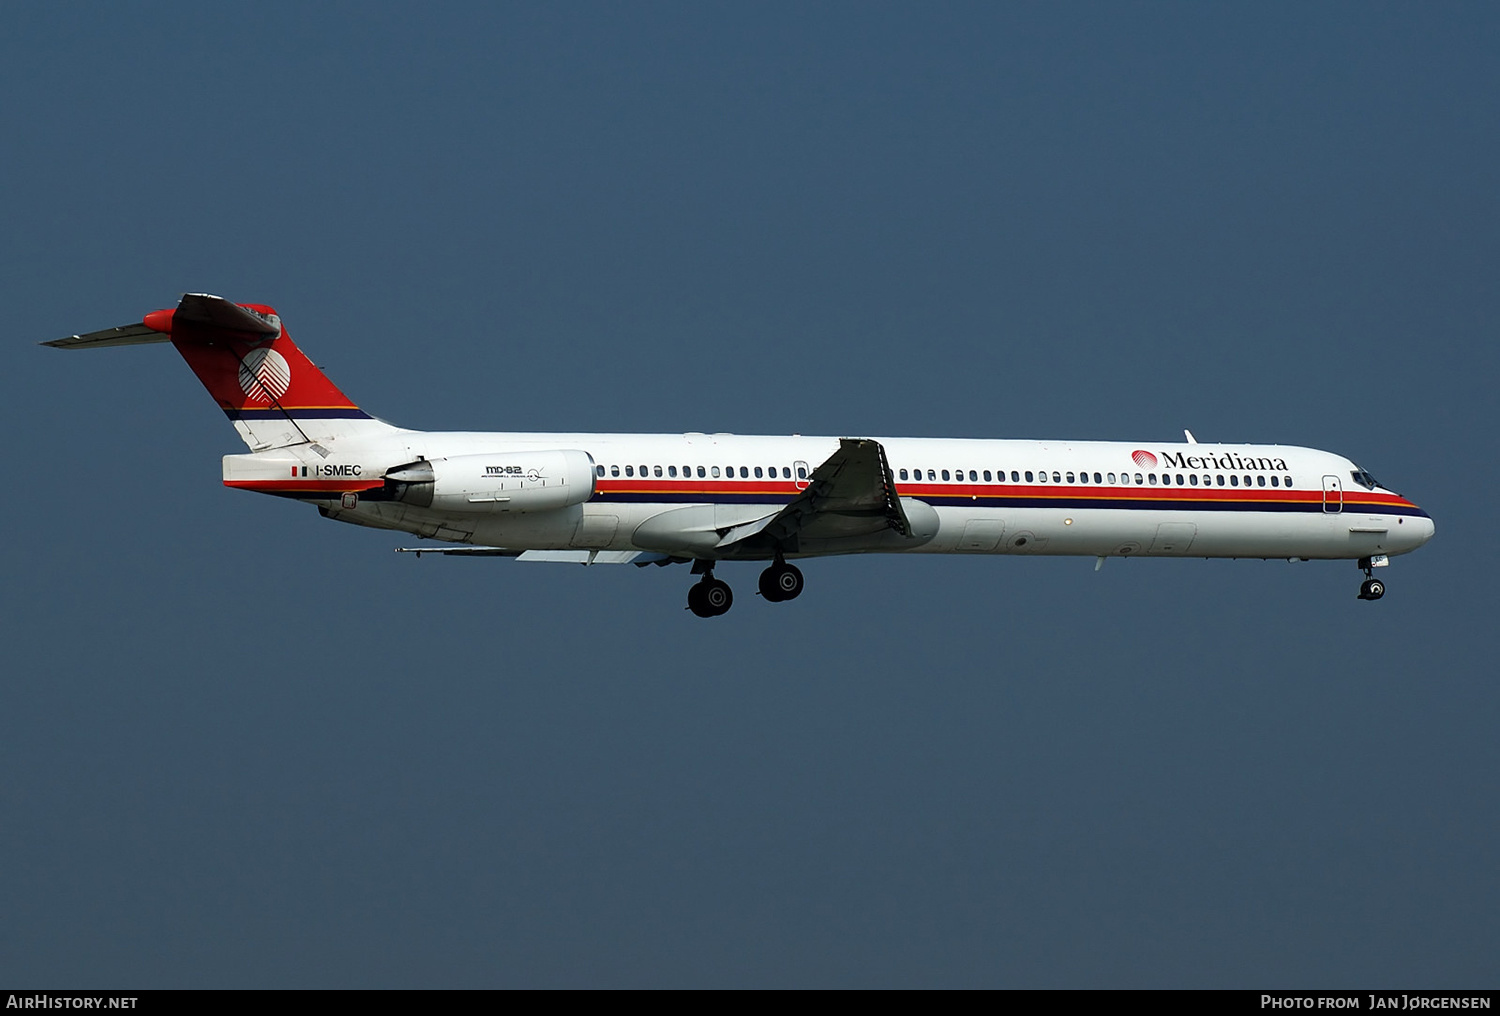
(1333, 494)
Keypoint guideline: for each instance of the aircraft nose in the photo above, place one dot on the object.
(1419, 529)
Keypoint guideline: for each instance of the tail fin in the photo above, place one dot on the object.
(269, 389)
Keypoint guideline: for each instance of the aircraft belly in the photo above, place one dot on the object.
(1138, 532)
(528, 530)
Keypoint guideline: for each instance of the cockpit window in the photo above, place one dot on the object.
(1364, 479)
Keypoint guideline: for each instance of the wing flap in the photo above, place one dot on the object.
(635, 557)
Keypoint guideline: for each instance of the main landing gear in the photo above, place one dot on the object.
(1371, 588)
(781, 582)
(709, 597)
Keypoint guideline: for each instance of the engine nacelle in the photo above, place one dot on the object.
(504, 482)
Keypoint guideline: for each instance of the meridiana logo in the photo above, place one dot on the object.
(264, 375)
(1144, 459)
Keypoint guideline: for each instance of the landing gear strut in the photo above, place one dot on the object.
(781, 582)
(709, 597)
(1371, 588)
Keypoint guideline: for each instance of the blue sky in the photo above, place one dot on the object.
(240, 745)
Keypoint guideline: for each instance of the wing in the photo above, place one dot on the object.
(638, 558)
(851, 495)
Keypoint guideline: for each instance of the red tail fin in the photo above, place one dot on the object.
(255, 372)
(274, 394)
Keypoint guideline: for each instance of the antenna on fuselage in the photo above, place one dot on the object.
(1189, 435)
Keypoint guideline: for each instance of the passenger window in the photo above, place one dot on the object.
(1220, 479)
(715, 471)
(1260, 481)
(975, 476)
(672, 471)
(903, 474)
(744, 472)
(1070, 477)
(786, 472)
(700, 472)
(932, 474)
(801, 472)
(1110, 477)
(1180, 480)
(644, 472)
(757, 472)
(1151, 477)
(1138, 479)
(629, 470)
(1247, 481)
(614, 470)
(598, 470)
(1234, 481)
(1028, 476)
(986, 476)
(1193, 479)
(1273, 481)
(1286, 481)
(945, 474)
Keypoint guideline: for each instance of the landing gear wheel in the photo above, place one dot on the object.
(717, 596)
(781, 582)
(695, 600)
(1371, 588)
(710, 597)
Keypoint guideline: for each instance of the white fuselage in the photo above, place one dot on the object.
(677, 493)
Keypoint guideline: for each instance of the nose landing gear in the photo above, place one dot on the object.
(1371, 588)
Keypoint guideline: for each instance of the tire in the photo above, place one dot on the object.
(696, 602)
(788, 582)
(768, 587)
(1374, 589)
(717, 597)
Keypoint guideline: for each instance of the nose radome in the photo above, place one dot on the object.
(1414, 531)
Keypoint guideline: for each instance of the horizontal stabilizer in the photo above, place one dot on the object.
(125, 335)
(214, 312)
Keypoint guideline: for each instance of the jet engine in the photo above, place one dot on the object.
(504, 482)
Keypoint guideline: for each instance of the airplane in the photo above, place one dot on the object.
(702, 499)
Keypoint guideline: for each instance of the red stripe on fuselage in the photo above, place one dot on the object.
(336, 486)
(977, 491)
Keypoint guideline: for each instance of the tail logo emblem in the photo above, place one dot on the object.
(1144, 459)
(264, 375)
